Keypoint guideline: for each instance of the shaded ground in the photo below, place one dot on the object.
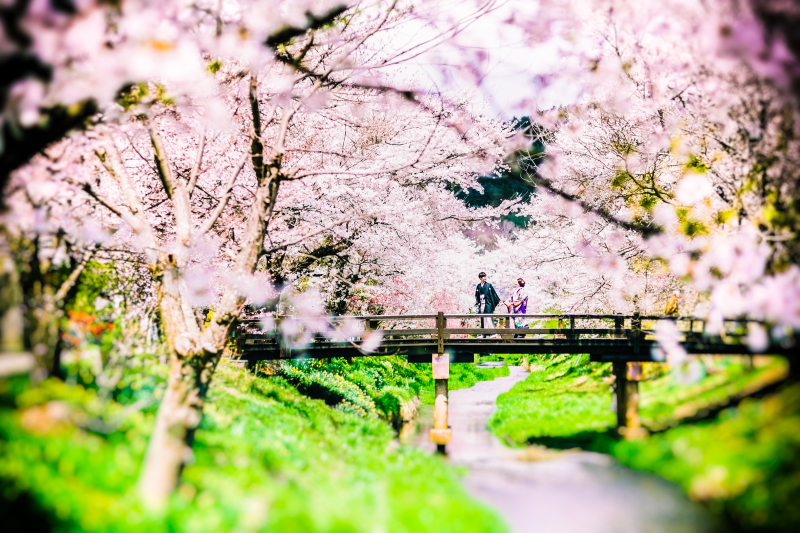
(559, 492)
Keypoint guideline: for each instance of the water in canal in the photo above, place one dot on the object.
(571, 491)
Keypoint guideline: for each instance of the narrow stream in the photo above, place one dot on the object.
(570, 491)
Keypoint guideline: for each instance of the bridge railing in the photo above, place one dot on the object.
(443, 327)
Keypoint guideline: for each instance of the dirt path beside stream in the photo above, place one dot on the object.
(573, 491)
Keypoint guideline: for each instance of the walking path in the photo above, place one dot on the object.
(582, 492)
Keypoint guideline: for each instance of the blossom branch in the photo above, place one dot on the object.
(645, 230)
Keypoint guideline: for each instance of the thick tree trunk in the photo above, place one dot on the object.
(11, 313)
(194, 352)
(192, 364)
(179, 414)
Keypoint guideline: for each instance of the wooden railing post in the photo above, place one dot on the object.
(572, 327)
(620, 374)
(440, 326)
(636, 326)
(283, 351)
(794, 366)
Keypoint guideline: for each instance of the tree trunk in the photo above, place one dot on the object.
(195, 352)
(191, 366)
(179, 414)
(11, 313)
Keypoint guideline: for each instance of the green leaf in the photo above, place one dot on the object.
(214, 66)
(620, 179)
(696, 165)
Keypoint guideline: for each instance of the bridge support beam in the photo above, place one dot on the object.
(440, 434)
(627, 391)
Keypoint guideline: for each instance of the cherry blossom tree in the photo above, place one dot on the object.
(64, 60)
(225, 145)
(679, 148)
(208, 171)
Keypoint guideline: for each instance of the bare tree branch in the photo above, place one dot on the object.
(314, 234)
(206, 227)
(176, 190)
(197, 162)
(74, 275)
(162, 164)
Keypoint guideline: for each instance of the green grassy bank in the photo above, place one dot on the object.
(267, 457)
(378, 385)
(744, 463)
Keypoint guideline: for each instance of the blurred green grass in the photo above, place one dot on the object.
(266, 458)
(743, 463)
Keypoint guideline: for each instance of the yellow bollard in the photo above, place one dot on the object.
(628, 376)
(440, 434)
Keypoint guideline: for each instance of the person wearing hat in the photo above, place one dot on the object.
(518, 305)
(486, 299)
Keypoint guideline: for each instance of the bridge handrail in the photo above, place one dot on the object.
(527, 331)
(581, 316)
(402, 335)
(566, 326)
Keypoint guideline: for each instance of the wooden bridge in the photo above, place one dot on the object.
(440, 339)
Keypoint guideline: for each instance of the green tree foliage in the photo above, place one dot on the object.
(507, 184)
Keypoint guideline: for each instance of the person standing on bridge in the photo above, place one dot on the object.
(518, 305)
(486, 299)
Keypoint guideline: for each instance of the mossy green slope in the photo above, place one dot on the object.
(266, 458)
(566, 397)
(561, 399)
(377, 385)
(743, 463)
(462, 376)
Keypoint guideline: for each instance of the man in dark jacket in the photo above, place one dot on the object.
(486, 299)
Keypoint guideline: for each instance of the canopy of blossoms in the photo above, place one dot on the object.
(229, 153)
